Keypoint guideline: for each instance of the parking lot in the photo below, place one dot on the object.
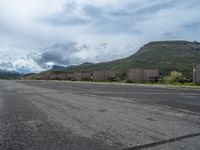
(66, 115)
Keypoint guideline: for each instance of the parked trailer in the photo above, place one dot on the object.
(110, 75)
(143, 75)
(135, 75)
(53, 76)
(77, 76)
(104, 75)
(62, 76)
(151, 75)
(86, 76)
(98, 76)
(69, 76)
(196, 73)
(45, 76)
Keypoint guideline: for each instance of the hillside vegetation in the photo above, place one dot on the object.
(8, 74)
(166, 56)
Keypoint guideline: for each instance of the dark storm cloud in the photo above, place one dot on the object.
(6, 65)
(92, 11)
(57, 54)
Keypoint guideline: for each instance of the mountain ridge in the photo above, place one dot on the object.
(5, 74)
(166, 56)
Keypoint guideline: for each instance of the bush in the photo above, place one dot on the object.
(174, 77)
(128, 81)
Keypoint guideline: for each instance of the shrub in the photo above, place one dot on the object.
(128, 81)
(174, 77)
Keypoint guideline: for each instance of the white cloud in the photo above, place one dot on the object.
(27, 26)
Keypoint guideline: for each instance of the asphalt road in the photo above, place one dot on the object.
(45, 115)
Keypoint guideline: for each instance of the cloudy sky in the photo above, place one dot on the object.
(36, 34)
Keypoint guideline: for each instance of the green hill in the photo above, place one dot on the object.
(4, 74)
(164, 55)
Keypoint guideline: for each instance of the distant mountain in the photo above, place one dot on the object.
(166, 56)
(60, 68)
(4, 74)
(86, 64)
(57, 68)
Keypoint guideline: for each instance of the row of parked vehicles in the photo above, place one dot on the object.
(136, 75)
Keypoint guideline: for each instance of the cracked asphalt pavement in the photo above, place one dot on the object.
(51, 115)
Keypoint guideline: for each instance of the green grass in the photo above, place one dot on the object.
(178, 84)
(124, 83)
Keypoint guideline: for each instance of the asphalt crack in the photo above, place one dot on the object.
(139, 147)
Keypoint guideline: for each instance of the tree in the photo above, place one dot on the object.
(174, 77)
